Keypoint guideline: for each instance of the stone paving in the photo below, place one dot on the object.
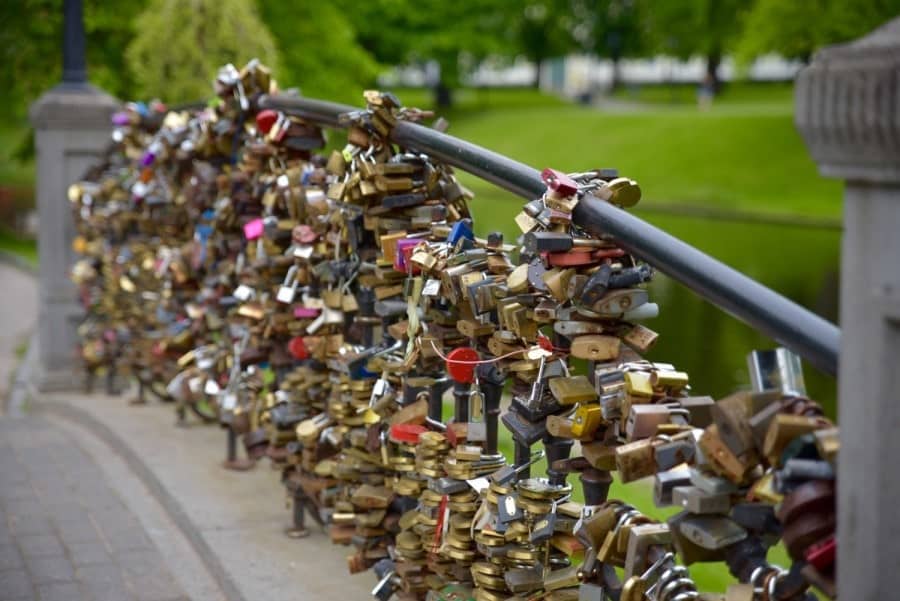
(64, 532)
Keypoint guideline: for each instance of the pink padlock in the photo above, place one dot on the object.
(253, 229)
(305, 312)
(559, 182)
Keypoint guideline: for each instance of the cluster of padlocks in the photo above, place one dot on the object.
(319, 305)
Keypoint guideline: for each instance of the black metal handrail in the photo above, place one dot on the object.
(812, 337)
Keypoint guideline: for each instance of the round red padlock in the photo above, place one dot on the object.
(461, 364)
(265, 120)
(407, 433)
(297, 348)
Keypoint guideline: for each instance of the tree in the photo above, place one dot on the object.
(180, 44)
(797, 29)
(318, 49)
(683, 28)
(455, 35)
(542, 30)
(613, 29)
(31, 47)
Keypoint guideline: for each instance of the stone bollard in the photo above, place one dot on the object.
(848, 112)
(72, 128)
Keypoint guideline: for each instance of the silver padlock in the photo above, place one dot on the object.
(288, 289)
(243, 293)
(778, 369)
(476, 428)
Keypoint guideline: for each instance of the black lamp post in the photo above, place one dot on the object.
(74, 65)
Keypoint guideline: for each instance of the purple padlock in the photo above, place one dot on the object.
(121, 118)
(147, 159)
(404, 247)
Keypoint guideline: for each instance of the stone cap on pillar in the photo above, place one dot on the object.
(847, 107)
(68, 106)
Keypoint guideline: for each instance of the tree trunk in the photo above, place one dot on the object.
(616, 73)
(536, 83)
(443, 97)
(713, 60)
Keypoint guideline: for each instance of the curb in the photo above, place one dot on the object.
(169, 504)
(18, 262)
(21, 387)
(14, 403)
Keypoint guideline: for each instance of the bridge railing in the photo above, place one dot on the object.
(795, 327)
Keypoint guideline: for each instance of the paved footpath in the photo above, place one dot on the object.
(18, 314)
(64, 532)
(102, 500)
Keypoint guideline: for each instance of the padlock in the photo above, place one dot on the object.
(476, 428)
(288, 289)
(587, 420)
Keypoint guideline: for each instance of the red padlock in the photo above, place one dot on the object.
(406, 433)
(821, 555)
(576, 257)
(452, 438)
(265, 120)
(461, 364)
(559, 182)
(297, 348)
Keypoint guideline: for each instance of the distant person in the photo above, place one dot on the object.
(705, 92)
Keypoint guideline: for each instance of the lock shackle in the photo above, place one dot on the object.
(436, 424)
(659, 564)
(398, 344)
(534, 458)
(562, 499)
(279, 121)
(291, 276)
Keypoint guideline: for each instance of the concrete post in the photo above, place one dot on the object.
(72, 127)
(848, 111)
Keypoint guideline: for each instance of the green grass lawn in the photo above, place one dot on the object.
(733, 156)
(776, 95)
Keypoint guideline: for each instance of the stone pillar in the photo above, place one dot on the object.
(848, 111)
(72, 128)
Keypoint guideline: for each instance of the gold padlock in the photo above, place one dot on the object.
(587, 420)
(595, 347)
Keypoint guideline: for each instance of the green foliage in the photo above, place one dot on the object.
(541, 30)
(683, 28)
(612, 28)
(31, 47)
(318, 50)
(455, 34)
(179, 45)
(797, 29)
